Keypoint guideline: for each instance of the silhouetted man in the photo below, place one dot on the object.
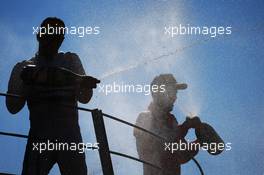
(50, 121)
(160, 121)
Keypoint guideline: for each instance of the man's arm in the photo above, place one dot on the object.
(188, 154)
(16, 86)
(84, 94)
(144, 141)
(141, 122)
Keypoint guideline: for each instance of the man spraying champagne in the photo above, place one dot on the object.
(159, 120)
(45, 81)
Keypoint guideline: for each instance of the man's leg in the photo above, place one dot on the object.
(72, 163)
(36, 163)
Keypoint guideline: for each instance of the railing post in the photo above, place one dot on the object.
(101, 137)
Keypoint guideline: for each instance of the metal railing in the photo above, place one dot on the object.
(101, 137)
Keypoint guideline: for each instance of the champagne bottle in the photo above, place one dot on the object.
(207, 135)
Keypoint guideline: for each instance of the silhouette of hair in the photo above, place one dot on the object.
(55, 23)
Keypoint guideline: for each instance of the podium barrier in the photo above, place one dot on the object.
(101, 137)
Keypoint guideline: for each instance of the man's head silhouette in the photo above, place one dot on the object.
(50, 36)
(165, 100)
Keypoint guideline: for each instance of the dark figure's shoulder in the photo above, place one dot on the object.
(144, 121)
(70, 55)
(73, 62)
(19, 65)
(143, 118)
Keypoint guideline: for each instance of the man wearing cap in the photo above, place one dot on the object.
(160, 121)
